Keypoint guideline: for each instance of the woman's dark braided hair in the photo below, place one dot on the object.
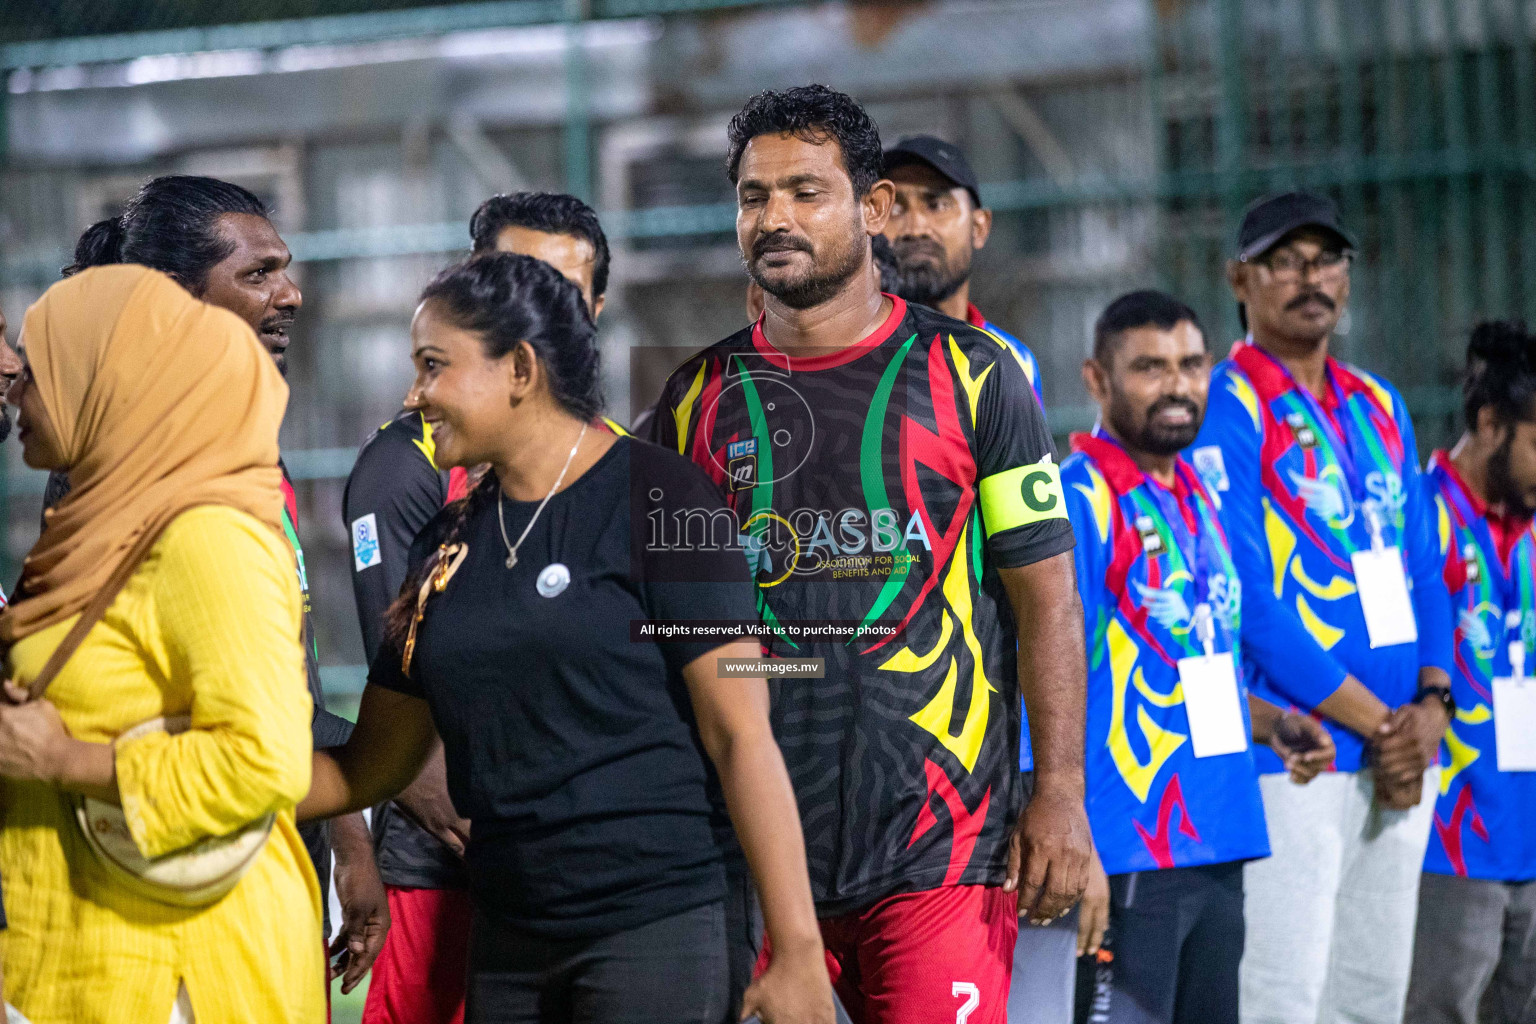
(507, 299)
(1501, 372)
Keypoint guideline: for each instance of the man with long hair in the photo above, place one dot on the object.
(217, 240)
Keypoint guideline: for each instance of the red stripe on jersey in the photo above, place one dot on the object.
(458, 484)
(967, 824)
(830, 359)
(1160, 843)
(290, 500)
(709, 406)
(947, 454)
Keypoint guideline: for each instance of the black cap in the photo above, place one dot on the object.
(1271, 218)
(944, 157)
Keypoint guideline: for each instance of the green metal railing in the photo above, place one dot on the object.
(1417, 116)
(1425, 135)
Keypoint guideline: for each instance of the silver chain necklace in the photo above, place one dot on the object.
(502, 519)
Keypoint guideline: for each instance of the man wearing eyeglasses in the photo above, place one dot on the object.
(1315, 464)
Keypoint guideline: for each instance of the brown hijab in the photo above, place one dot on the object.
(160, 402)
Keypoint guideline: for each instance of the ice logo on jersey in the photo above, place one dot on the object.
(365, 543)
(1226, 599)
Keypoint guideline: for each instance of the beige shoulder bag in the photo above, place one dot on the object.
(195, 876)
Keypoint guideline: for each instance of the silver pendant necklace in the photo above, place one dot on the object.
(502, 519)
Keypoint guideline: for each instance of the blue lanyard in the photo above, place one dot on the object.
(1342, 447)
(1194, 545)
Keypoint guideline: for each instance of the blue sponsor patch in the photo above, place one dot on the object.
(739, 449)
(365, 543)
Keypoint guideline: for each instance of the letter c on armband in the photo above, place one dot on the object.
(1021, 496)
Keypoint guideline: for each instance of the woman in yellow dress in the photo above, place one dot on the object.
(154, 402)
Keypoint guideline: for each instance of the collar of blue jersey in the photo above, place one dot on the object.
(1271, 379)
(1197, 546)
(1123, 475)
(1471, 510)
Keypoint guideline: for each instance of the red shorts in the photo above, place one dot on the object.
(420, 973)
(925, 957)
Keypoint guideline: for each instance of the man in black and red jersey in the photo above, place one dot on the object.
(890, 477)
(218, 241)
(393, 490)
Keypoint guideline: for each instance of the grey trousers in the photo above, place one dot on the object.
(1044, 972)
(1474, 959)
(1331, 912)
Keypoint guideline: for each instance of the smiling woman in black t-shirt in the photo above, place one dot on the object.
(577, 751)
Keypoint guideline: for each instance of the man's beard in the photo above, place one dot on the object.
(5, 424)
(1149, 436)
(1502, 489)
(924, 273)
(825, 278)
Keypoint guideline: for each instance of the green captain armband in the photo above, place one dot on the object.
(1020, 496)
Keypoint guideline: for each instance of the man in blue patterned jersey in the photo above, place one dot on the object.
(937, 226)
(1475, 952)
(1317, 471)
(1173, 792)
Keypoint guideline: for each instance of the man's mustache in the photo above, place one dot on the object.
(278, 321)
(780, 243)
(1306, 297)
(907, 247)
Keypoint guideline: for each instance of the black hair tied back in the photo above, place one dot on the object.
(102, 244)
(1501, 372)
(507, 298)
(170, 225)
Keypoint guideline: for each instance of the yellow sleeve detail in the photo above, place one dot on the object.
(971, 385)
(427, 445)
(684, 410)
(227, 618)
(1020, 496)
(1243, 392)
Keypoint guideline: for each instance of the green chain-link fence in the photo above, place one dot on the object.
(1417, 116)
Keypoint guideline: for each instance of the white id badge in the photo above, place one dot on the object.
(1514, 712)
(1514, 723)
(1212, 703)
(1384, 597)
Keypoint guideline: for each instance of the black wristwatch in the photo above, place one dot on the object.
(1439, 693)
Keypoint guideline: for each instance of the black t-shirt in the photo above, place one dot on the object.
(885, 483)
(394, 490)
(572, 747)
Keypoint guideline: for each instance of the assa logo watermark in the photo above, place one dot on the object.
(843, 543)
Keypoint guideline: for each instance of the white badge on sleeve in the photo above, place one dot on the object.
(1211, 699)
(1514, 712)
(1383, 588)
